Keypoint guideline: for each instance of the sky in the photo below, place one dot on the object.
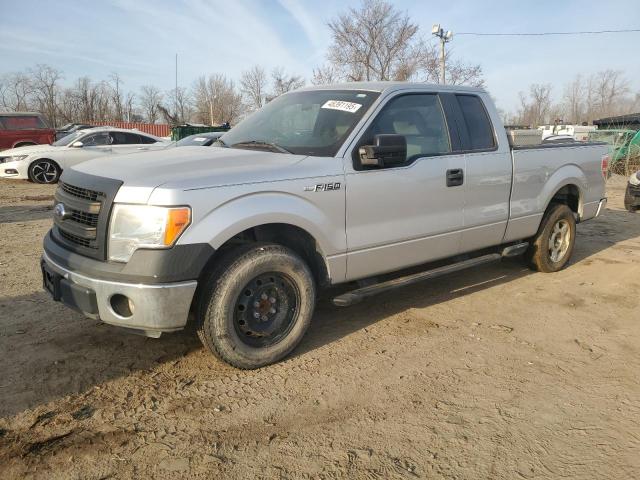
(139, 39)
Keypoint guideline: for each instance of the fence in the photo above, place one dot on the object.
(157, 129)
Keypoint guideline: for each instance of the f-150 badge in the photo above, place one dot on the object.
(323, 187)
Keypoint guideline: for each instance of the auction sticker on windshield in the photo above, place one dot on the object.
(350, 107)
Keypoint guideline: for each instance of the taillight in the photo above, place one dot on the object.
(604, 165)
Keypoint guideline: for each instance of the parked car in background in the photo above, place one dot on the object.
(45, 163)
(199, 140)
(20, 129)
(70, 128)
(632, 195)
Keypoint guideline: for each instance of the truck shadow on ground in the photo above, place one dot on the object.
(25, 213)
(51, 352)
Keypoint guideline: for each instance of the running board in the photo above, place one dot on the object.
(355, 296)
(515, 250)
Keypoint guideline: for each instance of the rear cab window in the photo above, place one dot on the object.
(477, 122)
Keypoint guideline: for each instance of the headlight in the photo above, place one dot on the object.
(635, 179)
(16, 158)
(143, 226)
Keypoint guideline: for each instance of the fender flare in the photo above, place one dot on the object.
(569, 174)
(268, 207)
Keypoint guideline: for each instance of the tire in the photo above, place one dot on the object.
(552, 246)
(256, 305)
(44, 171)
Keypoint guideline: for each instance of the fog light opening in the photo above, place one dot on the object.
(122, 305)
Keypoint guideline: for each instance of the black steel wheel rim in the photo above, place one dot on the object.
(266, 309)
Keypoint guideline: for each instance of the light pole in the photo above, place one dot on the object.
(444, 38)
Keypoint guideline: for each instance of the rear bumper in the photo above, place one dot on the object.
(156, 308)
(592, 209)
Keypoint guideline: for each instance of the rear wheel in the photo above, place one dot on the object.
(256, 305)
(44, 171)
(553, 245)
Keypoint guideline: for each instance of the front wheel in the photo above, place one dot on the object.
(256, 305)
(44, 171)
(553, 245)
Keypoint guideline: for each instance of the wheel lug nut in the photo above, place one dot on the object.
(256, 304)
(273, 310)
(256, 315)
(272, 300)
(264, 318)
(263, 296)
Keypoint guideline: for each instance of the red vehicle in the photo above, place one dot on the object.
(18, 129)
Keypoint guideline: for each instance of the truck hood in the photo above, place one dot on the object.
(192, 167)
(28, 150)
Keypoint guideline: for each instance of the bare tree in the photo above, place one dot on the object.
(182, 104)
(574, 104)
(253, 84)
(283, 83)
(117, 100)
(150, 98)
(45, 81)
(372, 42)
(217, 100)
(16, 92)
(378, 42)
(536, 107)
(325, 74)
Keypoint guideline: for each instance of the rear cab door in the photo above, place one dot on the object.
(488, 173)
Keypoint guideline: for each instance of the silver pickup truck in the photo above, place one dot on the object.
(322, 186)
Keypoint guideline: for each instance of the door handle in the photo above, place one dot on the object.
(455, 177)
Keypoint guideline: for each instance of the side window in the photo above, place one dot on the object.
(477, 122)
(147, 140)
(419, 118)
(125, 138)
(97, 139)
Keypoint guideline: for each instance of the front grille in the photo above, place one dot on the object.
(89, 219)
(82, 220)
(80, 192)
(83, 242)
(82, 207)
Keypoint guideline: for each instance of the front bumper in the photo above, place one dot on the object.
(156, 308)
(632, 197)
(14, 170)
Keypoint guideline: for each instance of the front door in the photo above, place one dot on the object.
(407, 214)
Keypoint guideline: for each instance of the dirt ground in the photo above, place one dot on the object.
(496, 372)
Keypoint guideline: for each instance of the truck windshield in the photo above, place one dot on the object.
(313, 122)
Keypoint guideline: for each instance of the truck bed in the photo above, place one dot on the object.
(539, 171)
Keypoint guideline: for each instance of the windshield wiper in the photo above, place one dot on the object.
(220, 142)
(261, 144)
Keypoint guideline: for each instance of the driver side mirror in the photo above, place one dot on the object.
(388, 150)
(77, 144)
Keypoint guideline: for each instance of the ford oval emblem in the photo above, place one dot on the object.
(59, 211)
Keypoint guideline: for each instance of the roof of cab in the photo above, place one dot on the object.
(393, 86)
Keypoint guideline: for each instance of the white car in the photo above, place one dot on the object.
(45, 163)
